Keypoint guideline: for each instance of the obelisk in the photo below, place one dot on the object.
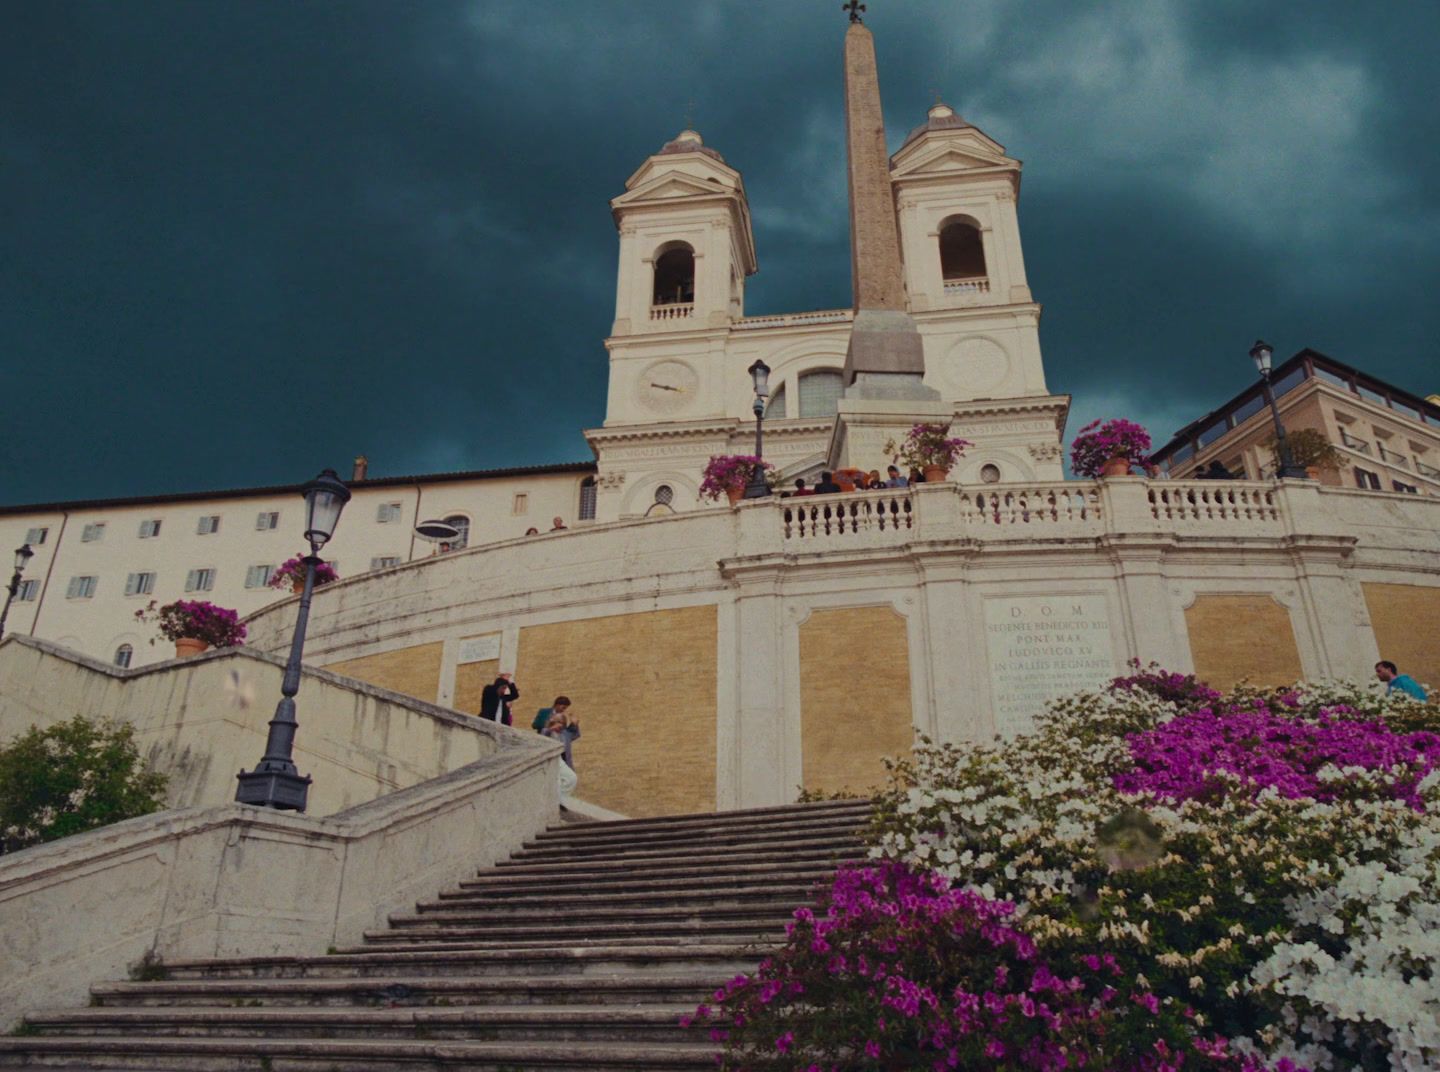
(885, 358)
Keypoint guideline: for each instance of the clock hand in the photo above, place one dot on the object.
(664, 387)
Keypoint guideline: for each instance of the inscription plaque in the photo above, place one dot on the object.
(1041, 647)
(478, 649)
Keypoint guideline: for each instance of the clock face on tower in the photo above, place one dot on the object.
(667, 386)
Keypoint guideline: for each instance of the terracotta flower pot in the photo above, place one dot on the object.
(1117, 466)
(934, 474)
(735, 494)
(297, 585)
(188, 647)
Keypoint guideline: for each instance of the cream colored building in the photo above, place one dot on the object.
(97, 562)
(1389, 438)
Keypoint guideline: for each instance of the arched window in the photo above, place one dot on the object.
(675, 276)
(989, 474)
(775, 410)
(123, 654)
(962, 252)
(820, 393)
(587, 499)
(664, 496)
(461, 524)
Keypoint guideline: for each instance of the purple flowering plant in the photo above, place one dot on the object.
(897, 969)
(927, 444)
(1098, 442)
(292, 572)
(724, 472)
(220, 627)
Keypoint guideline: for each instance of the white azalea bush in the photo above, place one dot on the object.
(1266, 864)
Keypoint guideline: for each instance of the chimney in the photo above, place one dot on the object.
(362, 466)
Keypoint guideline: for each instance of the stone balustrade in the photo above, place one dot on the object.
(676, 311)
(790, 320)
(975, 285)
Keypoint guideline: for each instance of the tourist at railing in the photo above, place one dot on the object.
(800, 488)
(827, 485)
(894, 479)
(1395, 681)
(1214, 471)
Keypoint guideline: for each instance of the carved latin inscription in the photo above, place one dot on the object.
(1043, 647)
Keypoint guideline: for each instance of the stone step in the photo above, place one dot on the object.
(747, 818)
(743, 929)
(559, 918)
(406, 990)
(490, 1023)
(720, 960)
(134, 1053)
(603, 839)
(658, 865)
(615, 902)
(478, 889)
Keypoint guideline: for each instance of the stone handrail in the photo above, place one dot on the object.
(809, 516)
(788, 320)
(977, 284)
(1213, 500)
(673, 311)
(1031, 504)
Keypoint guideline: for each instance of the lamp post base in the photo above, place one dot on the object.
(279, 789)
(1293, 472)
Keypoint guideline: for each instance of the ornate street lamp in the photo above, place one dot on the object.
(760, 374)
(23, 555)
(275, 782)
(1261, 353)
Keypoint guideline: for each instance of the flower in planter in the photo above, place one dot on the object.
(292, 572)
(724, 472)
(220, 627)
(927, 445)
(1097, 443)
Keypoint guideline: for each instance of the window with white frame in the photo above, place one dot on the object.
(140, 584)
(200, 580)
(258, 576)
(81, 587)
(587, 499)
(93, 532)
(150, 528)
(123, 654)
(35, 537)
(27, 591)
(384, 561)
(461, 524)
(208, 525)
(1364, 478)
(267, 520)
(520, 504)
(1408, 489)
(387, 512)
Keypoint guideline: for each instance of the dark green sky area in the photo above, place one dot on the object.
(242, 241)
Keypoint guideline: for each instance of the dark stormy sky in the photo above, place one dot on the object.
(242, 241)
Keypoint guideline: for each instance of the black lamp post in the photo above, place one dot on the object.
(23, 554)
(760, 374)
(1261, 353)
(275, 782)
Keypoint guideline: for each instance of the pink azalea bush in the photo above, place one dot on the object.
(726, 471)
(220, 627)
(928, 444)
(898, 969)
(292, 571)
(1097, 443)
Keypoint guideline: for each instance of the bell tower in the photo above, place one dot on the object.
(686, 245)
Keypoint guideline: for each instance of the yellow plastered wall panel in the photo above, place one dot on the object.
(412, 671)
(1406, 621)
(1242, 637)
(854, 697)
(643, 688)
(470, 682)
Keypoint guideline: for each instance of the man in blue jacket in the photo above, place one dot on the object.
(1395, 681)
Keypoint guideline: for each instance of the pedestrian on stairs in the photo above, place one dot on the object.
(496, 698)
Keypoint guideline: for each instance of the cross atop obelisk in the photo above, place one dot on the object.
(885, 357)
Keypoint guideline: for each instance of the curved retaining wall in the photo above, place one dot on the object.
(723, 658)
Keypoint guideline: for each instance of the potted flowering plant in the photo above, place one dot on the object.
(194, 625)
(291, 574)
(930, 448)
(1109, 449)
(727, 474)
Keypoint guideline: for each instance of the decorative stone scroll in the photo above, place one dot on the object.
(1042, 647)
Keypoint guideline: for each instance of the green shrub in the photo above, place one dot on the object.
(73, 777)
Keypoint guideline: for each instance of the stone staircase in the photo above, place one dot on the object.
(581, 952)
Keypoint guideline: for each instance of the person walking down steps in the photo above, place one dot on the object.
(496, 698)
